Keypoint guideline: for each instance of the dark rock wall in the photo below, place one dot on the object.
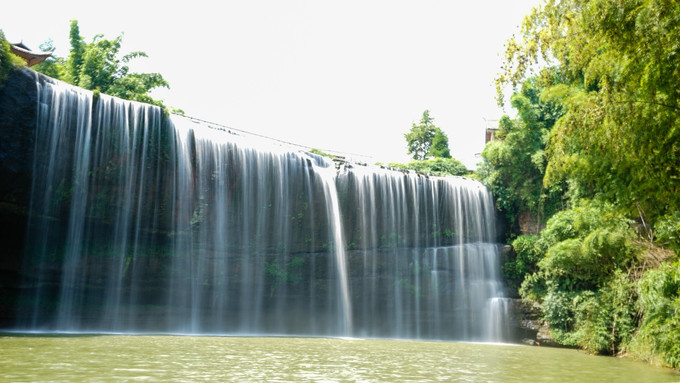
(18, 103)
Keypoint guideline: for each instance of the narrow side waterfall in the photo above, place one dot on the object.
(426, 251)
(140, 222)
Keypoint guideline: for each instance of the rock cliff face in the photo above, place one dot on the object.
(18, 103)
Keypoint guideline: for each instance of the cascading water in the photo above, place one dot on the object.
(426, 251)
(140, 222)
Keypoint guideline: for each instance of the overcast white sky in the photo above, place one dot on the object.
(348, 76)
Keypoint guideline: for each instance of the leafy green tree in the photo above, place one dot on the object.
(659, 304)
(98, 67)
(582, 279)
(52, 66)
(515, 163)
(440, 145)
(425, 139)
(612, 67)
(618, 138)
(419, 138)
(8, 61)
(667, 231)
(523, 262)
(76, 57)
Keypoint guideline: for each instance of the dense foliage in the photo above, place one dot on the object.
(659, 304)
(98, 67)
(429, 146)
(436, 166)
(8, 60)
(597, 136)
(578, 270)
(515, 163)
(427, 140)
(440, 145)
(619, 67)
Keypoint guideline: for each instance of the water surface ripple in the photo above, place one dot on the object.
(103, 358)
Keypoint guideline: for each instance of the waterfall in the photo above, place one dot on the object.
(142, 222)
(427, 255)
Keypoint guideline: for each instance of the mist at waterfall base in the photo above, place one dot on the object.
(143, 223)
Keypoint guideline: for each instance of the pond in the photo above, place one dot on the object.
(61, 358)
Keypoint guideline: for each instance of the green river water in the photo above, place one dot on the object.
(95, 358)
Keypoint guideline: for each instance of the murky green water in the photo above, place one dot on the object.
(219, 359)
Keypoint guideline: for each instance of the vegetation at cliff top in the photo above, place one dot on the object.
(8, 60)
(427, 140)
(429, 146)
(591, 164)
(97, 66)
(435, 166)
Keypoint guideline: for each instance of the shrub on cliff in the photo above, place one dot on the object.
(8, 60)
(436, 166)
(659, 305)
(582, 265)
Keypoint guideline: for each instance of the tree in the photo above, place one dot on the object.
(76, 55)
(440, 145)
(96, 66)
(514, 164)
(419, 138)
(8, 61)
(582, 277)
(618, 139)
(52, 66)
(425, 139)
(604, 278)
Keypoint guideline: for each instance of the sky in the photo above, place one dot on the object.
(348, 77)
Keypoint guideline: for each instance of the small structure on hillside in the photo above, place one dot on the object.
(491, 129)
(27, 54)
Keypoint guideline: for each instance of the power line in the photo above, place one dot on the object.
(218, 126)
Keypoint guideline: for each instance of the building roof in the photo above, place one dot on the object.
(31, 57)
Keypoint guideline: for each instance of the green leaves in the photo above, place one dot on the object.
(515, 163)
(668, 231)
(611, 68)
(136, 86)
(97, 66)
(437, 166)
(425, 139)
(76, 57)
(528, 251)
(8, 61)
(440, 145)
(618, 64)
(659, 304)
(581, 275)
(605, 320)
